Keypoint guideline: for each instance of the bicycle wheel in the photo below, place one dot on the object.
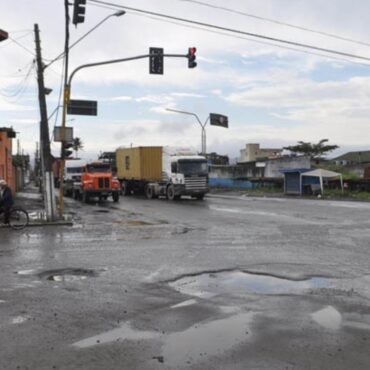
(18, 218)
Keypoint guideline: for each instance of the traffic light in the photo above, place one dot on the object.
(79, 10)
(191, 58)
(156, 61)
(3, 35)
(66, 153)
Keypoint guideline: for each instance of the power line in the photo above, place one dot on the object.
(21, 46)
(22, 87)
(323, 33)
(252, 40)
(255, 35)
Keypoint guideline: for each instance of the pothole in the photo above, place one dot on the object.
(68, 274)
(101, 211)
(239, 282)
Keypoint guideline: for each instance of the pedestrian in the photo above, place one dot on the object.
(6, 200)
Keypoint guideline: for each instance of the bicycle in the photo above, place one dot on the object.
(18, 218)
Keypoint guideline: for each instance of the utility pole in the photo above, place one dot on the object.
(64, 114)
(46, 159)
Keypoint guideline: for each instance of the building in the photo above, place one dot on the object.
(217, 159)
(352, 158)
(253, 152)
(6, 162)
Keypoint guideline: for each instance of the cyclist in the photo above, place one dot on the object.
(6, 200)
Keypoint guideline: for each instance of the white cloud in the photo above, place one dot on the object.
(278, 83)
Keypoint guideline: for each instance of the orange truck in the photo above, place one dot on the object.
(97, 181)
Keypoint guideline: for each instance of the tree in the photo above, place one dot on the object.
(315, 151)
(77, 145)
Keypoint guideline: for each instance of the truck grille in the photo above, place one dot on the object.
(103, 182)
(196, 183)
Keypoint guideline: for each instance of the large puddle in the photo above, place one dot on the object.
(194, 344)
(238, 282)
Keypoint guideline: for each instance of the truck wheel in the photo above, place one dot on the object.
(200, 196)
(124, 188)
(171, 192)
(115, 197)
(149, 192)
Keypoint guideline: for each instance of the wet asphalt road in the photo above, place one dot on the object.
(230, 282)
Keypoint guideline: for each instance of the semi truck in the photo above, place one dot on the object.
(162, 171)
(96, 181)
(72, 175)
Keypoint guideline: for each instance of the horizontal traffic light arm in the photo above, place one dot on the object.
(113, 61)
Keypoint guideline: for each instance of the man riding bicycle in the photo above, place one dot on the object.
(6, 200)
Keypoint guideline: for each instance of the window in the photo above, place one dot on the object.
(127, 162)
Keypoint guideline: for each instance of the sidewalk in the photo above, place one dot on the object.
(31, 200)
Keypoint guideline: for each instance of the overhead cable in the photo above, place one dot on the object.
(323, 33)
(226, 29)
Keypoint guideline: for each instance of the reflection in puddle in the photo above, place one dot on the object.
(203, 340)
(195, 343)
(238, 282)
(19, 320)
(189, 302)
(123, 333)
(328, 317)
(66, 277)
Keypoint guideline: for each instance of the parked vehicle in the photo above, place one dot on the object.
(72, 175)
(162, 171)
(96, 181)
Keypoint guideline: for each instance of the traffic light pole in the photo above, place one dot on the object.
(64, 114)
(67, 93)
(113, 61)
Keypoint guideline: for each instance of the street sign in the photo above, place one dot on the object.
(156, 61)
(3, 35)
(68, 134)
(219, 120)
(83, 107)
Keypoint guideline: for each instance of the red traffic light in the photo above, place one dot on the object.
(3, 35)
(191, 57)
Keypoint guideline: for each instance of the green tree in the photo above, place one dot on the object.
(315, 151)
(77, 145)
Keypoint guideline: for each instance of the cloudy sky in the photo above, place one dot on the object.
(273, 94)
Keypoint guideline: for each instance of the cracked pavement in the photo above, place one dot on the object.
(230, 282)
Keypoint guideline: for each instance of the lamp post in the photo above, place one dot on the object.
(202, 125)
(67, 91)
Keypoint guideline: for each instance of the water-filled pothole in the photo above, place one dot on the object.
(68, 274)
(239, 282)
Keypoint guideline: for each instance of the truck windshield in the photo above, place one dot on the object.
(74, 170)
(94, 168)
(191, 167)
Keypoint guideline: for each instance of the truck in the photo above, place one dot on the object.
(162, 171)
(96, 181)
(72, 175)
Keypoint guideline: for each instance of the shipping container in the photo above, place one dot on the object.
(139, 163)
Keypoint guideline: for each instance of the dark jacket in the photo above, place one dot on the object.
(6, 199)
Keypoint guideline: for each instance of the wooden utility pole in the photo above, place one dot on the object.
(46, 159)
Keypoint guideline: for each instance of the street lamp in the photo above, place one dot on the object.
(116, 14)
(215, 120)
(67, 89)
(202, 125)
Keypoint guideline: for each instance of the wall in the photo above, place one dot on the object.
(273, 166)
(6, 165)
(253, 151)
(249, 170)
